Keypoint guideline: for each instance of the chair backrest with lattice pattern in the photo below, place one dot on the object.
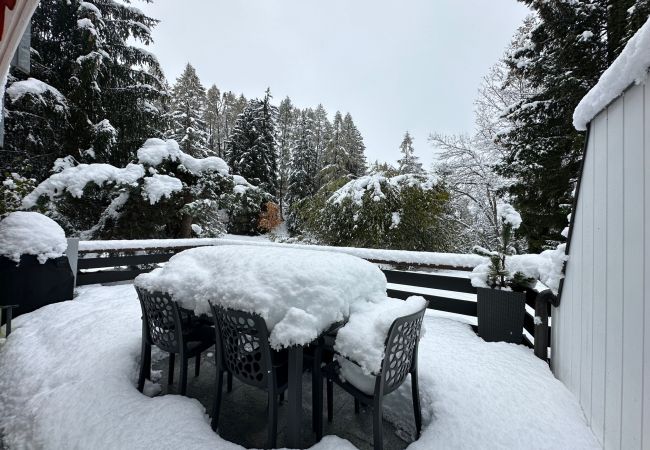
(161, 320)
(244, 345)
(401, 349)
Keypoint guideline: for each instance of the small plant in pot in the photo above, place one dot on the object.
(501, 294)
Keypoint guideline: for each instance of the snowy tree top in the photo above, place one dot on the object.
(630, 67)
(31, 233)
(356, 189)
(509, 215)
(155, 151)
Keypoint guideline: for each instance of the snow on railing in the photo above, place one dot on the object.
(422, 259)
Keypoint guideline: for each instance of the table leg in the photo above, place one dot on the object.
(294, 439)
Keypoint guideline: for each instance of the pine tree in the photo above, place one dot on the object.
(285, 139)
(322, 130)
(188, 105)
(214, 121)
(302, 181)
(409, 162)
(561, 58)
(334, 159)
(252, 146)
(354, 147)
(85, 50)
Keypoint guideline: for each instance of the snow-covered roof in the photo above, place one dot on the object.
(630, 67)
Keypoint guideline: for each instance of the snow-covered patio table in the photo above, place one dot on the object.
(299, 293)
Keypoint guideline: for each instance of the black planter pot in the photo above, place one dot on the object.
(501, 315)
(31, 284)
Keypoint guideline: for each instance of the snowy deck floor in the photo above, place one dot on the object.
(68, 373)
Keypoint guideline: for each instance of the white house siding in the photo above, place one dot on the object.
(601, 331)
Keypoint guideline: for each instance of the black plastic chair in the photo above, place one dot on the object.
(172, 330)
(400, 359)
(243, 348)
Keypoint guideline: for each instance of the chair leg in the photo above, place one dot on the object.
(197, 365)
(330, 400)
(316, 383)
(377, 425)
(170, 373)
(229, 382)
(357, 407)
(417, 410)
(145, 365)
(216, 405)
(183, 381)
(273, 420)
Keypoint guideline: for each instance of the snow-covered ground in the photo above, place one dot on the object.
(69, 372)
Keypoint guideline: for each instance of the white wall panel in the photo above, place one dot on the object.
(601, 331)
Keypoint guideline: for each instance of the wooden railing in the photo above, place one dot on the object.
(446, 287)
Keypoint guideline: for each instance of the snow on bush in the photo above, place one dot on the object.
(630, 67)
(299, 293)
(70, 370)
(155, 151)
(372, 184)
(508, 214)
(408, 212)
(362, 338)
(34, 87)
(159, 186)
(73, 180)
(30, 233)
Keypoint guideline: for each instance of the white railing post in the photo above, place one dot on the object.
(72, 253)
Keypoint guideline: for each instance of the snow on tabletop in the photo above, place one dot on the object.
(158, 186)
(391, 256)
(155, 151)
(630, 67)
(34, 87)
(70, 383)
(31, 233)
(299, 293)
(362, 338)
(74, 179)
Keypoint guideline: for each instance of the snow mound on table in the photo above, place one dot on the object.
(630, 67)
(31, 233)
(363, 337)
(74, 179)
(158, 186)
(69, 374)
(155, 151)
(299, 293)
(478, 394)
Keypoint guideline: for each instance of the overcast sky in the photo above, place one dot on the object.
(394, 65)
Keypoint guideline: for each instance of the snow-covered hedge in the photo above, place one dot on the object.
(162, 195)
(406, 212)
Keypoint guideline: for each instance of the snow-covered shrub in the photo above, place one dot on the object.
(401, 212)
(496, 273)
(162, 195)
(12, 190)
(245, 207)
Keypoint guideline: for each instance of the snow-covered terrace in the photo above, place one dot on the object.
(70, 374)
